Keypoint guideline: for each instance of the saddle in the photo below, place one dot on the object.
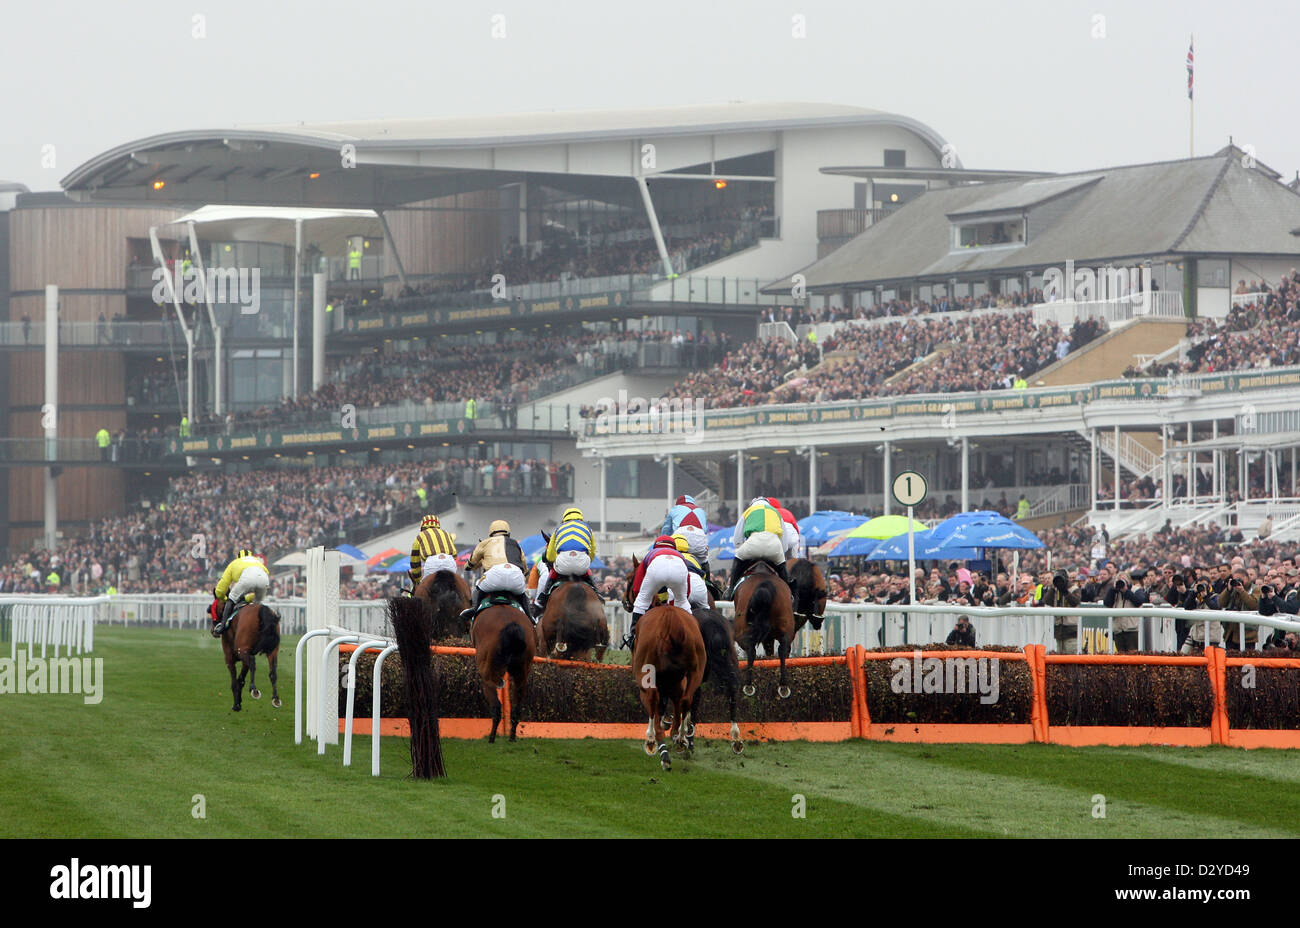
(496, 599)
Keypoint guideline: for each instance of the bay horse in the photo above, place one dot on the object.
(573, 623)
(254, 629)
(810, 593)
(448, 596)
(764, 616)
(721, 670)
(503, 642)
(668, 661)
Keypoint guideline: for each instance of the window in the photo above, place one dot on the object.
(985, 234)
(895, 158)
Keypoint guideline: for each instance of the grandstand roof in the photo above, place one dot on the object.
(1198, 206)
(404, 160)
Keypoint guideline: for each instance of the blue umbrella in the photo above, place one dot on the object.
(855, 547)
(400, 566)
(533, 544)
(353, 552)
(926, 547)
(725, 550)
(817, 528)
(995, 535)
(952, 523)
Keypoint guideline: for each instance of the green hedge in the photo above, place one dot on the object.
(1134, 695)
(886, 706)
(559, 693)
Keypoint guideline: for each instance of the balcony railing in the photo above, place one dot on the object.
(846, 223)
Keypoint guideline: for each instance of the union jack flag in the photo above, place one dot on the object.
(1190, 60)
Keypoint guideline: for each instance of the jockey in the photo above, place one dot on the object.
(761, 535)
(678, 511)
(663, 567)
(789, 529)
(245, 578)
(697, 588)
(433, 550)
(569, 552)
(502, 562)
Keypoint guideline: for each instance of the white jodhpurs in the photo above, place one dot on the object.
(762, 546)
(253, 580)
(505, 578)
(438, 563)
(663, 571)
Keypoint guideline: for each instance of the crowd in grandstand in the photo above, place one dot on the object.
(985, 352)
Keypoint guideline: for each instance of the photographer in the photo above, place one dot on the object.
(1127, 592)
(1058, 594)
(1286, 602)
(1239, 596)
(963, 633)
(1199, 596)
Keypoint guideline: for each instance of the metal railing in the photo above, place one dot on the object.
(66, 450)
(190, 610)
(87, 334)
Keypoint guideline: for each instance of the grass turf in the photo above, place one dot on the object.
(134, 765)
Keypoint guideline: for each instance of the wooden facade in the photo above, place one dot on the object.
(458, 233)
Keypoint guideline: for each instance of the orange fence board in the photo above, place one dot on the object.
(1122, 736)
(752, 731)
(940, 733)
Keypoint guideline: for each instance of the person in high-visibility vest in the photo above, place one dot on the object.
(185, 426)
(1022, 508)
(354, 264)
(102, 438)
(422, 495)
(111, 591)
(52, 582)
(471, 412)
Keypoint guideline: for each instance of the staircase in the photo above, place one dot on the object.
(706, 470)
(1134, 457)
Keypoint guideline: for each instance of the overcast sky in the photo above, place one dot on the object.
(1051, 85)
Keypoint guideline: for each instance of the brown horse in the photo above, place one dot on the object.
(720, 670)
(254, 629)
(764, 616)
(503, 643)
(573, 623)
(668, 660)
(810, 592)
(448, 596)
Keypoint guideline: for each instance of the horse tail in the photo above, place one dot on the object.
(512, 647)
(720, 665)
(268, 630)
(757, 612)
(446, 603)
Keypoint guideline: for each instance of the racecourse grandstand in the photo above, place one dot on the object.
(469, 338)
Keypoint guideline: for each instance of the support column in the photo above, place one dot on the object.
(523, 214)
(317, 332)
(1216, 459)
(1292, 491)
(392, 248)
(1115, 459)
(740, 482)
(604, 467)
(218, 332)
(887, 467)
(654, 226)
(180, 317)
(965, 474)
(671, 495)
(812, 476)
(1164, 466)
(1093, 463)
(1191, 466)
(50, 415)
(297, 263)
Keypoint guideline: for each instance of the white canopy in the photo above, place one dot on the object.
(329, 229)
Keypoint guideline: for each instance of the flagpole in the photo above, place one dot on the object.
(1191, 104)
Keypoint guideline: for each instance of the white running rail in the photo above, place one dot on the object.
(61, 622)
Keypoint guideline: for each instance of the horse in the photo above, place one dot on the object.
(668, 660)
(720, 669)
(764, 616)
(502, 637)
(448, 596)
(810, 594)
(254, 629)
(573, 623)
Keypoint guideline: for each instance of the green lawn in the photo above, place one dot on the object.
(164, 733)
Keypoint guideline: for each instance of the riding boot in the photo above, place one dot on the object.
(784, 574)
(737, 572)
(526, 606)
(630, 641)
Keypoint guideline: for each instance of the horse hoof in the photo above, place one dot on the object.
(737, 747)
(492, 739)
(748, 689)
(256, 694)
(649, 748)
(234, 708)
(783, 691)
(561, 647)
(664, 760)
(276, 702)
(690, 731)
